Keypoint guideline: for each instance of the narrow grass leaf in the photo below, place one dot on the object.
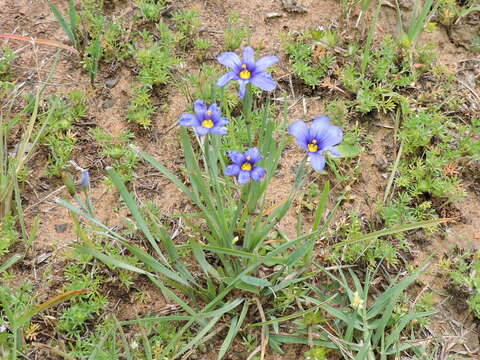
(235, 327)
(199, 337)
(132, 206)
(321, 207)
(10, 262)
(200, 257)
(390, 231)
(63, 23)
(48, 304)
(109, 260)
(254, 281)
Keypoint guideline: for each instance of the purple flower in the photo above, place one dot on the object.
(85, 180)
(247, 70)
(320, 137)
(205, 120)
(244, 166)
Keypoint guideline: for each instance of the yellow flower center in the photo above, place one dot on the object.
(246, 166)
(313, 147)
(207, 123)
(245, 74)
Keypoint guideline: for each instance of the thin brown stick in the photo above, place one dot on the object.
(264, 329)
(40, 41)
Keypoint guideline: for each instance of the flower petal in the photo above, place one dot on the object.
(241, 91)
(232, 170)
(199, 107)
(322, 119)
(333, 136)
(229, 59)
(220, 130)
(265, 62)
(319, 126)
(201, 131)
(225, 79)
(248, 55)
(214, 109)
(317, 161)
(254, 155)
(237, 157)
(222, 121)
(244, 177)
(189, 120)
(85, 180)
(300, 131)
(257, 173)
(264, 81)
(325, 133)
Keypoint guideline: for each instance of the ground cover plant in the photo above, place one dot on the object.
(219, 192)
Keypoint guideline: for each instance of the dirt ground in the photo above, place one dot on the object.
(107, 109)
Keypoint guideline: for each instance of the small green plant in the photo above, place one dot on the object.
(307, 64)
(235, 33)
(93, 54)
(156, 61)
(201, 47)
(122, 158)
(84, 307)
(188, 25)
(141, 107)
(475, 44)
(151, 9)
(463, 270)
(59, 136)
(7, 57)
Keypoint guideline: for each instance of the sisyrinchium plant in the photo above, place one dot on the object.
(230, 223)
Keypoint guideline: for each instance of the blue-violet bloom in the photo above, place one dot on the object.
(321, 136)
(244, 166)
(205, 119)
(85, 180)
(247, 70)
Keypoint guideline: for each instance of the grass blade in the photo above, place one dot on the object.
(391, 231)
(63, 23)
(235, 326)
(132, 206)
(322, 205)
(10, 262)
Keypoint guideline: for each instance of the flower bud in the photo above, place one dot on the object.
(85, 180)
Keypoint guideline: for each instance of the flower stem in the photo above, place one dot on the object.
(247, 111)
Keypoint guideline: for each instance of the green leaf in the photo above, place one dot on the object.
(322, 205)
(132, 206)
(200, 257)
(235, 327)
(107, 259)
(255, 281)
(348, 150)
(65, 26)
(391, 231)
(10, 262)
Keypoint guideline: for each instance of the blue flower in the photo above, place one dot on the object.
(247, 70)
(205, 120)
(320, 137)
(244, 166)
(85, 180)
